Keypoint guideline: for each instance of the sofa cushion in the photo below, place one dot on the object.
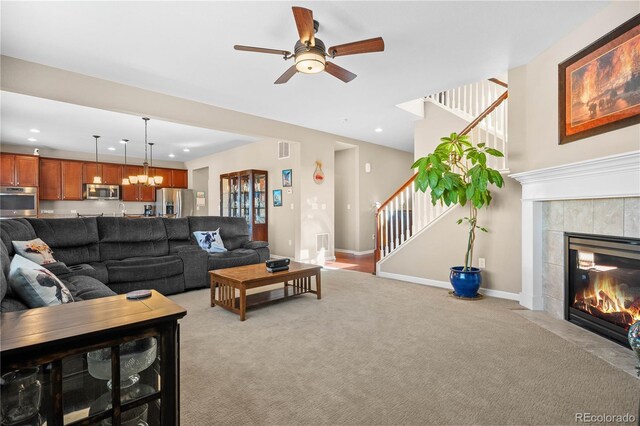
(231, 259)
(86, 288)
(143, 268)
(122, 238)
(177, 229)
(15, 230)
(5, 263)
(233, 230)
(35, 250)
(35, 285)
(73, 240)
(166, 286)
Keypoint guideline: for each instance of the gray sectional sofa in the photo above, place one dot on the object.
(103, 256)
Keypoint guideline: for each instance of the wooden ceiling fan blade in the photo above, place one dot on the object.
(304, 22)
(287, 75)
(261, 50)
(356, 47)
(339, 72)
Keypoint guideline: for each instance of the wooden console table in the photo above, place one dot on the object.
(242, 278)
(55, 340)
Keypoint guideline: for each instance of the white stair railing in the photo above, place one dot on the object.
(404, 215)
(470, 100)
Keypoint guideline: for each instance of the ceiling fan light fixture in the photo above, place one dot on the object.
(310, 62)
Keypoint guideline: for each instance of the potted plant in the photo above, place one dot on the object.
(457, 173)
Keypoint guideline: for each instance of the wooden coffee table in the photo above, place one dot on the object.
(297, 280)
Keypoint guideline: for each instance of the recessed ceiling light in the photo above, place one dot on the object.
(32, 140)
(111, 148)
(172, 155)
(378, 130)
(34, 130)
(186, 150)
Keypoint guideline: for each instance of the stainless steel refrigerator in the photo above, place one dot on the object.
(175, 202)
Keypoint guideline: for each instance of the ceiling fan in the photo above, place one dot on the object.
(310, 53)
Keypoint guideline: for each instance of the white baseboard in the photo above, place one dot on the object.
(353, 252)
(444, 284)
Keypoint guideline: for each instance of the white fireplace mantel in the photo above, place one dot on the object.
(606, 177)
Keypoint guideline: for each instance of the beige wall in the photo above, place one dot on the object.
(436, 124)
(390, 169)
(283, 221)
(346, 201)
(533, 102)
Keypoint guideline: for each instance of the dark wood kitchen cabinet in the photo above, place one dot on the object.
(50, 179)
(179, 178)
(19, 170)
(7, 170)
(71, 180)
(167, 179)
(137, 192)
(111, 174)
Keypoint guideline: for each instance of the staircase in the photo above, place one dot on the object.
(408, 213)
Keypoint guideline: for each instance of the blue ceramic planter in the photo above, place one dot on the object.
(465, 284)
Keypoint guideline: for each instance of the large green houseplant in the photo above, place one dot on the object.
(456, 172)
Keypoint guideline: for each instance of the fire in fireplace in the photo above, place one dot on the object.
(602, 283)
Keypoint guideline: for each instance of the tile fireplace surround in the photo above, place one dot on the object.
(599, 196)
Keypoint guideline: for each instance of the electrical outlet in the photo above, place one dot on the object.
(74, 211)
(290, 242)
(373, 236)
(481, 262)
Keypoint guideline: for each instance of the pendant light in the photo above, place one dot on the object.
(125, 180)
(151, 181)
(97, 179)
(145, 166)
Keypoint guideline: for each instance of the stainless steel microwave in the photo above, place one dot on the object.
(18, 201)
(101, 192)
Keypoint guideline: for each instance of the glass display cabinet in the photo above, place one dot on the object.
(244, 194)
(66, 365)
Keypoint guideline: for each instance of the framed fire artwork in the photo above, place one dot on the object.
(599, 87)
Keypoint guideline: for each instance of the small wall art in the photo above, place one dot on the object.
(287, 178)
(318, 174)
(277, 197)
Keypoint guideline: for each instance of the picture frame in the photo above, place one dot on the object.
(599, 87)
(287, 178)
(277, 197)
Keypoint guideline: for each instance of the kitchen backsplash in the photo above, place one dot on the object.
(70, 208)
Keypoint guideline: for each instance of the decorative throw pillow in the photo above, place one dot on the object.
(35, 285)
(210, 241)
(35, 250)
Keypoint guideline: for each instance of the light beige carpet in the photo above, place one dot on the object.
(377, 351)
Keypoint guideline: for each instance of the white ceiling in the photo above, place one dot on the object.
(186, 49)
(70, 127)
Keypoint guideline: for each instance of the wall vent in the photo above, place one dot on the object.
(284, 150)
(322, 242)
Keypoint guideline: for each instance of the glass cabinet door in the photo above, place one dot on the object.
(235, 196)
(260, 198)
(225, 196)
(245, 200)
(86, 383)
